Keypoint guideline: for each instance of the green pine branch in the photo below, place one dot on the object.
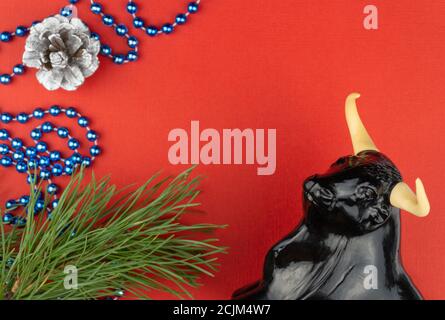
(118, 240)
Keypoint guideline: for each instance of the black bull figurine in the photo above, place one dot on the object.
(348, 244)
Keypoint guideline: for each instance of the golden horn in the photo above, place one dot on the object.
(404, 198)
(361, 140)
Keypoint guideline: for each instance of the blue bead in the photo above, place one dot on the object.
(24, 200)
(5, 79)
(5, 36)
(95, 36)
(86, 161)
(10, 204)
(121, 30)
(74, 1)
(52, 188)
(167, 28)
(108, 20)
(22, 117)
(132, 56)
(6, 161)
(47, 127)
(21, 167)
(151, 31)
(57, 170)
(41, 147)
(19, 69)
(44, 161)
(76, 158)
(193, 7)
(7, 218)
(181, 18)
(4, 134)
(38, 113)
(55, 203)
(40, 204)
(4, 149)
(83, 122)
(31, 178)
(138, 22)
(71, 112)
(132, 42)
(16, 143)
(54, 156)
(66, 12)
(45, 174)
(69, 162)
(6, 117)
(91, 135)
(132, 8)
(32, 163)
(69, 170)
(119, 59)
(36, 134)
(31, 152)
(73, 144)
(21, 31)
(95, 151)
(19, 221)
(54, 110)
(96, 8)
(63, 132)
(18, 155)
(105, 50)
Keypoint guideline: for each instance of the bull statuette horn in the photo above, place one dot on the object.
(402, 196)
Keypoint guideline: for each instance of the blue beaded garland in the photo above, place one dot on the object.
(43, 162)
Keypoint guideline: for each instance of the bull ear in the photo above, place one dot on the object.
(360, 138)
(404, 198)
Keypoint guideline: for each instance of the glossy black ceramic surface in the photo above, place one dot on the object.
(347, 245)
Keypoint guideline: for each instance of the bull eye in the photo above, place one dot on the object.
(366, 193)
(339, 162)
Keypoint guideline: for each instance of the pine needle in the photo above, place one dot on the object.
(116, 240)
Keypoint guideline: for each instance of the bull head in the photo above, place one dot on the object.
(402, 196)
(355, 194)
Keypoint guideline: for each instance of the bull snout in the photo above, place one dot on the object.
(318, 194)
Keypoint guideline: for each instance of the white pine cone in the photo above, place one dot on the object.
(63, 51)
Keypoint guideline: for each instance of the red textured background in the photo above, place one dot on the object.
(285, 64)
